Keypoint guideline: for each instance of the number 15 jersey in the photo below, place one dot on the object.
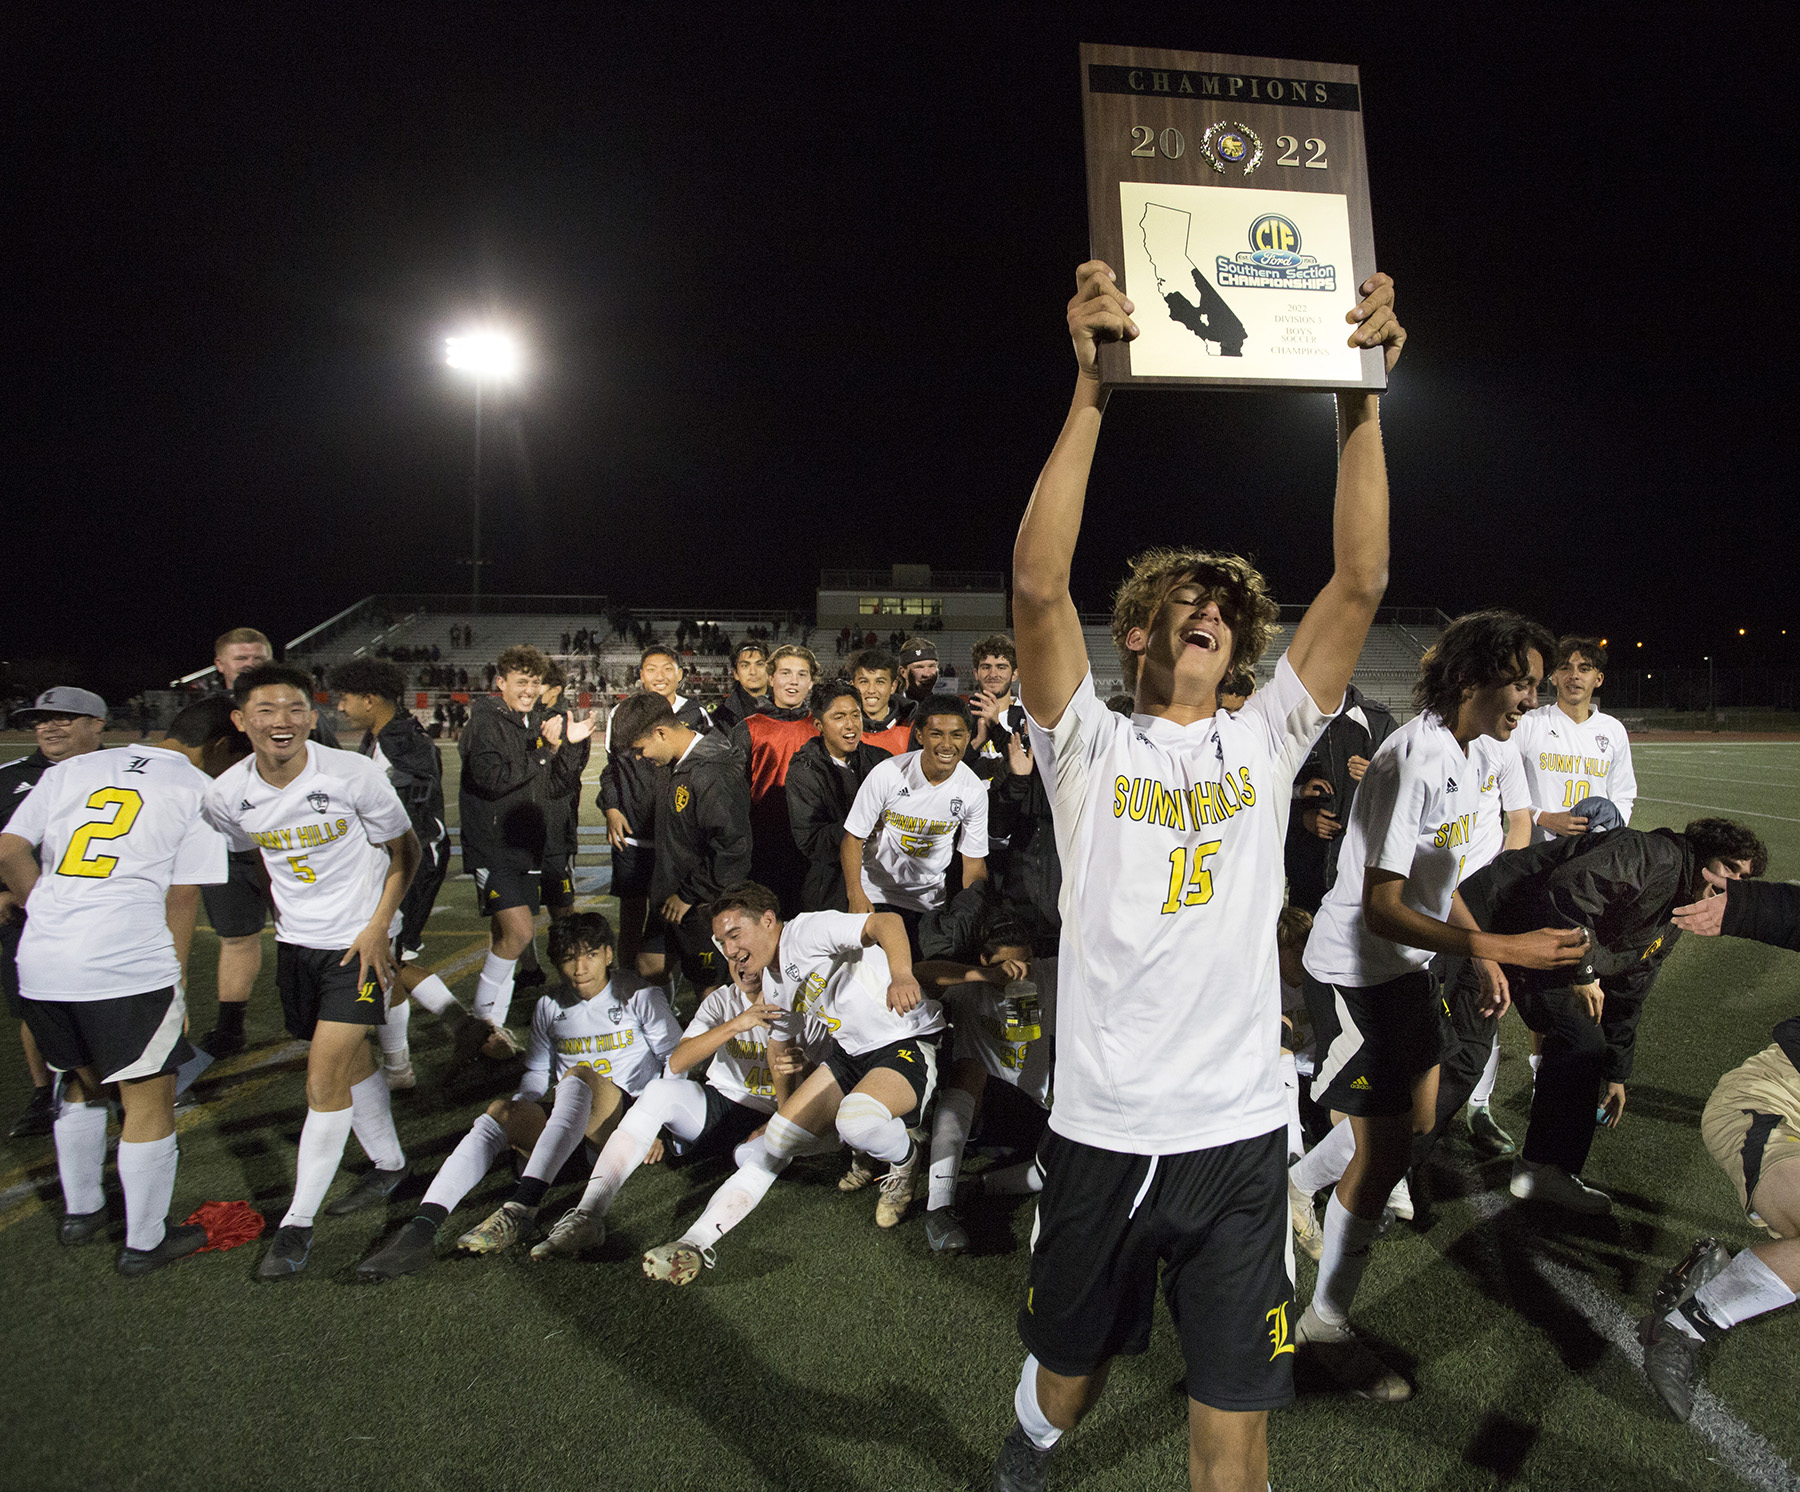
(1169, 992)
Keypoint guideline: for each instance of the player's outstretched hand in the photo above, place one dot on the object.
(904, 995)
(581, 726)
(1547, 948)
(1018, 754)
(376, 956)
(761, 1015)
(1099, 312)
(1496, 993)
(1593, 999)
(1706, 916)
(1563, 824)
(1379, 327)
(617, 827)
(551, 729)
(1614, 1107)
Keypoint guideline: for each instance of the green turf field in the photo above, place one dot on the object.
(821, 1354)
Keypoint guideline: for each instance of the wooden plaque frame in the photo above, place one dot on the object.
(1187, 92)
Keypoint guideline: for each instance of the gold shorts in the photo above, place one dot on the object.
(1751, 1123)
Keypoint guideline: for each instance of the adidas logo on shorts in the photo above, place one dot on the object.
(1360, 1083)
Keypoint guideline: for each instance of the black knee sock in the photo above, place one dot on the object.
(530, 1192)
(231, 1017)
(430, 1212)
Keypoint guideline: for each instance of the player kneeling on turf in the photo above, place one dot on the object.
(729, 1034)
(991, 1039)
(595, 1049)
(854, 974)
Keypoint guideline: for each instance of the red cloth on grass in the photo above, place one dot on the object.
(227, 1224)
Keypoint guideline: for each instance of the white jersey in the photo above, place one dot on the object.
(821, 969)
(1171, 840)
(1417, 813)
(113, 831)
(978, 1018)
(628, 1041)
(910, 828)
(740, 1068)
(1503, 791)
(1566, 761)
(320, 838)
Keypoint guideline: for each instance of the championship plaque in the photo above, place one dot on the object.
(1230, 195)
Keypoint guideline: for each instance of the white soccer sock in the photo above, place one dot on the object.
(372, 1117)
(730, 1205)
(949, 1134)
(1032, 1420)
(672, 1102)
(1324, 1165)
(147, 1172)
(1484, 1086)
(484, 1144)
(869, 1125)
(1746, 1287)
(434, 995)
(622, 1154)
(392, 1035)
(1347, 1242)
(1013, 1181)
(493, 991)
(322, 1140)
(80, 1131)
(1290, 1087)
(562, 1131)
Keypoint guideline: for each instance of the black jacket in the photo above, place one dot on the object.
(416, 771)
(562, 816)
(702, 825)
(734, 707)
(1031, 879)
(1342, 739)
(633, 785)
(509, 773)
(819, 795)
(1766, 911)
(1623, 887)
(17, 778)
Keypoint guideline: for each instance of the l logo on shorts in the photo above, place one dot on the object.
(366, 994)
(1279, 1339)
(905, 1054)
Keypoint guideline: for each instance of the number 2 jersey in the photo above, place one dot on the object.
(113, 830)
(1168, 1018)
(624, 1036)
(320, 838)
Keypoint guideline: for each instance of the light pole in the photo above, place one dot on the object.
(488, 355)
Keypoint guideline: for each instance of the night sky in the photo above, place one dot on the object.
(793, 288)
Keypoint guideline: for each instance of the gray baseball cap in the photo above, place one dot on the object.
(63, 700)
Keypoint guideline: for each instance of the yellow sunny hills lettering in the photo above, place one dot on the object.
(1145, 800)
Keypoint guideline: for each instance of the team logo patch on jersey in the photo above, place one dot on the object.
(793, 971)
(956, 807)
(138, 763)
(319, 801)
(1600, 741)
(682, 798)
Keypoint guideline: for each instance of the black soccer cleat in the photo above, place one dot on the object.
(38, 1117)
(287, 1255)
(1704, 1261)
(78, 1228)
(374, 1185)
(408, 1252)
(528, 978)
(944, 1231)
(1671, 1363)
(178, 1241)
(1023, 1466)
(219, 1043)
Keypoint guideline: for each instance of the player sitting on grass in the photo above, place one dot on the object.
(854, 974)
(1751, 1126)
(339, 853)
(729, 1036)
(595, 1049)
(989, 1039)
(103, 960)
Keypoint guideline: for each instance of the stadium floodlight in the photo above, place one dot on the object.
(494, 356)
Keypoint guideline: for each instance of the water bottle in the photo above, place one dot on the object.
(1020, 1002)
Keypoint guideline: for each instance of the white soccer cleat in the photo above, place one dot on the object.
(1342, 1354)
(503, 1227)
(575, 1231)
(860, 1174)
(1535, 1181)
(898, 1185)
(678, 1263)
(1309, 1237)
(399, 1079)
(1400, 1200)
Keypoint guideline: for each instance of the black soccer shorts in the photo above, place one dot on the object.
(1388, 1036)
(235, 907)
(315, 987)
(497, 890)
(557, 886)
(120, 1040)
(700, 960)
(421, 896)
(632, 868)
(1214, 1220)
(915, 1059)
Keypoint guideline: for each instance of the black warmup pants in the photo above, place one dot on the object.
(1469, 1038)
(1568, 1079)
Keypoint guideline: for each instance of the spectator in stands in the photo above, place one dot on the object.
(1327, 786)
(749, 689)
(67, 722)
(769, 738)
(629, 789)
(513, 764)
(822, 783)
(565, 641)
(887, 720)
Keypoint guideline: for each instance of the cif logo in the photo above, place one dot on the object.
(1272, 234)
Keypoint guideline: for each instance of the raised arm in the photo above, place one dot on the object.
(1330, 636)
(1052, 654)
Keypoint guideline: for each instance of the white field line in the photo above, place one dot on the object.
(1739, 781)
(1780, 818)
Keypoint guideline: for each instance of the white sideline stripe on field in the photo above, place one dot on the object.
(1737, 1445)
(1738, 781)
(1749, 813)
